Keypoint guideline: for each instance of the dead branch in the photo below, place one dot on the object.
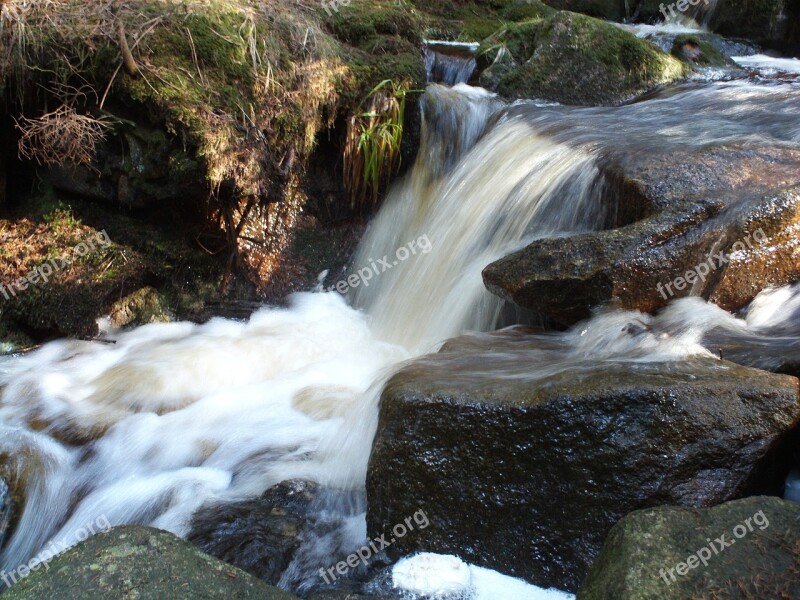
(127, 57)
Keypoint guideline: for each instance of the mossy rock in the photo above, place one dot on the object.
(613, 10)
(575, 59)
(140, 308)
(358, 21)
(677, 554)
(139, 562)
(698, 51)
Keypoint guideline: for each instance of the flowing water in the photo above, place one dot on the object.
(450, 63)
(172, 417)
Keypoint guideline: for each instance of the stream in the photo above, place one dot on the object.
(173, 417)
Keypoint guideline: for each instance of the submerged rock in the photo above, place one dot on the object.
(743, 549)
(523, 461)
(285, 536)
(139, 562)
(574, 59)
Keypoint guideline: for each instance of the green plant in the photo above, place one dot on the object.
(372, 146)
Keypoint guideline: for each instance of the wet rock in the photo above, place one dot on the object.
(759, 559)
(699, 51)
(524, 465)
(139, 562)
(770, 22)
(715, 47)
(767, 22)
(285, 536)
(5, 511)
(712, 207)
(140, 308)
(574, 59)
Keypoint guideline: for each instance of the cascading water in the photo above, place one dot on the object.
(175, 416)
(450, 62)
(483, 202)
(172, 417)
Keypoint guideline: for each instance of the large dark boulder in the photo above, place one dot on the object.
(676, 553)
(139, 562)
(684, 209)
(523, 461)
(767, 22)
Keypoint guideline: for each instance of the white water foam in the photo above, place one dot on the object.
(769, 65)
(445, 577)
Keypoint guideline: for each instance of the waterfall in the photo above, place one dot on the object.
(172, 417)
(175, 416)
(500, 186)
(450, 63)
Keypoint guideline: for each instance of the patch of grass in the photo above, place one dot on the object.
(372, 146)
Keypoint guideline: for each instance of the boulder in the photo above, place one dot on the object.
(139, 562)
(260, 536)
(767, 22)
(770, 22)
(141, 307)
(523, 460)
(721, 207)
(741, 549)
(574, 59)
(613, 10)
(701, 50)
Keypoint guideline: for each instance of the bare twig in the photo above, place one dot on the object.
(127, 56)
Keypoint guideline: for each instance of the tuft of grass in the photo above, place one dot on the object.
(372, 145)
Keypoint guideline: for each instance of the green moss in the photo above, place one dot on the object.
(602, 9)
(361, 21)
(577, 59)
(521, 11)
(698, 51)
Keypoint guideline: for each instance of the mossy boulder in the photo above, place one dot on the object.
(575, 59)
(140, 308)
(523, 461)
(774, 23)
(613, 10)
(139, 562)
(745, 549)
(698, 51)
